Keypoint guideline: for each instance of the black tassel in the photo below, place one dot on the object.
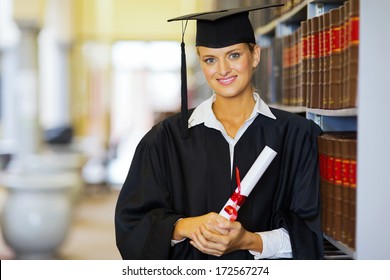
(184, 103)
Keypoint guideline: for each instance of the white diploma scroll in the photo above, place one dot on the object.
(229, 210)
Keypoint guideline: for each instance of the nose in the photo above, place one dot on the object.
(224, 67)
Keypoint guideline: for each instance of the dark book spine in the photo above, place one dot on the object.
(345, 167)
(314, 78)
(296, 2)
(275, 13)
(277, 69)
(352, 183)
(288, 5)
(286, 70)
(305, 61)
(335, 68)
(326, 61)
(342, 53)
(337, 189)
(345, 53)
(299, 68)
(263, 77)
(330, 185)
(321, 61)
(296, 67)
(353, 54)
(293, 69)
(322, 166)
(309, 57)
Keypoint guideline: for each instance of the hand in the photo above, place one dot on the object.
(214, 243)
(185, 227)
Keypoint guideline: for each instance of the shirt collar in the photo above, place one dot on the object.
(204, 112)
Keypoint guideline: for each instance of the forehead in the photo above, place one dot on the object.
(220, 51)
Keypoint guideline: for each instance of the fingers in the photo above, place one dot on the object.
(213, 243)
(215, 227)
(213, 234)
(208, 242)
(218, 224)
(186, 226)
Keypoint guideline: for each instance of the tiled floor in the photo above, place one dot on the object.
(92, 235)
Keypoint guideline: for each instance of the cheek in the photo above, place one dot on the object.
(208, 72)
(244, 66)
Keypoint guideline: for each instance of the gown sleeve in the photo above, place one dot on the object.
(144, 218)
(302, 217)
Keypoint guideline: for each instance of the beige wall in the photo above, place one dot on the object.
(29, 10)
(104, 22)
(112, 20)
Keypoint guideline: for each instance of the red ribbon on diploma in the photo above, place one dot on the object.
(237, 198)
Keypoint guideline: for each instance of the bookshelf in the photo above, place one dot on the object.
(334, 120)
(373, 207)
(369, 117)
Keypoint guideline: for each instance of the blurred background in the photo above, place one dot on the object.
(81, 81)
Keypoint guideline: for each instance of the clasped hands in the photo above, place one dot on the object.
(215, 235)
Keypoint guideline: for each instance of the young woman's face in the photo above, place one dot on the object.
(229, 70)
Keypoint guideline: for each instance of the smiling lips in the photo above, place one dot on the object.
(227, 80)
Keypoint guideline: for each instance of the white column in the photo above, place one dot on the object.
(54, 42)
(26, 91)
(9, 38)
(9, 34)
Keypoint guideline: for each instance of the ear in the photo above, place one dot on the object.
(256, 56)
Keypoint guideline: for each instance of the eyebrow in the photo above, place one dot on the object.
(226, 53)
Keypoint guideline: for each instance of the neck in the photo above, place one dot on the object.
(233, 112)
(237, 108)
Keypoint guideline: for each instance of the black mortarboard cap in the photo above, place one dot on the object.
(215, 29)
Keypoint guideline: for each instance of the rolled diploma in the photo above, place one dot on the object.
(252, 177)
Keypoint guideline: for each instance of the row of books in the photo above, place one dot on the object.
(317, 65)
(337, 160)
(320, 60)
(260, 19)
(265, 16)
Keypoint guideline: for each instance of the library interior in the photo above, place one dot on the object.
(82, 81)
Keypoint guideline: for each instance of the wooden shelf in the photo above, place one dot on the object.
(285, 17)
(348, 112)
(341, 246)
(372, 227)
(292, 109)
(296, 14)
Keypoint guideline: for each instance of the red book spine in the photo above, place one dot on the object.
(315, 56)
(299, 69)
(345, 171)
(346, 46)
(293, 68)
(326, 61)
(322, 157)
(335, 68)
(337, 189)
(353, 54)
(309, 57)
(305, 58)
(352, 183)
(321, 61)
(330, 186)
(287, 63)
(342, 56)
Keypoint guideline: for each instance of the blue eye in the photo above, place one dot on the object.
(234, 55)
(209, 60)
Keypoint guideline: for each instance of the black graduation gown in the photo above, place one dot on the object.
(171, 177)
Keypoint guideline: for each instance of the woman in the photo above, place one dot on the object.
(168, 206)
